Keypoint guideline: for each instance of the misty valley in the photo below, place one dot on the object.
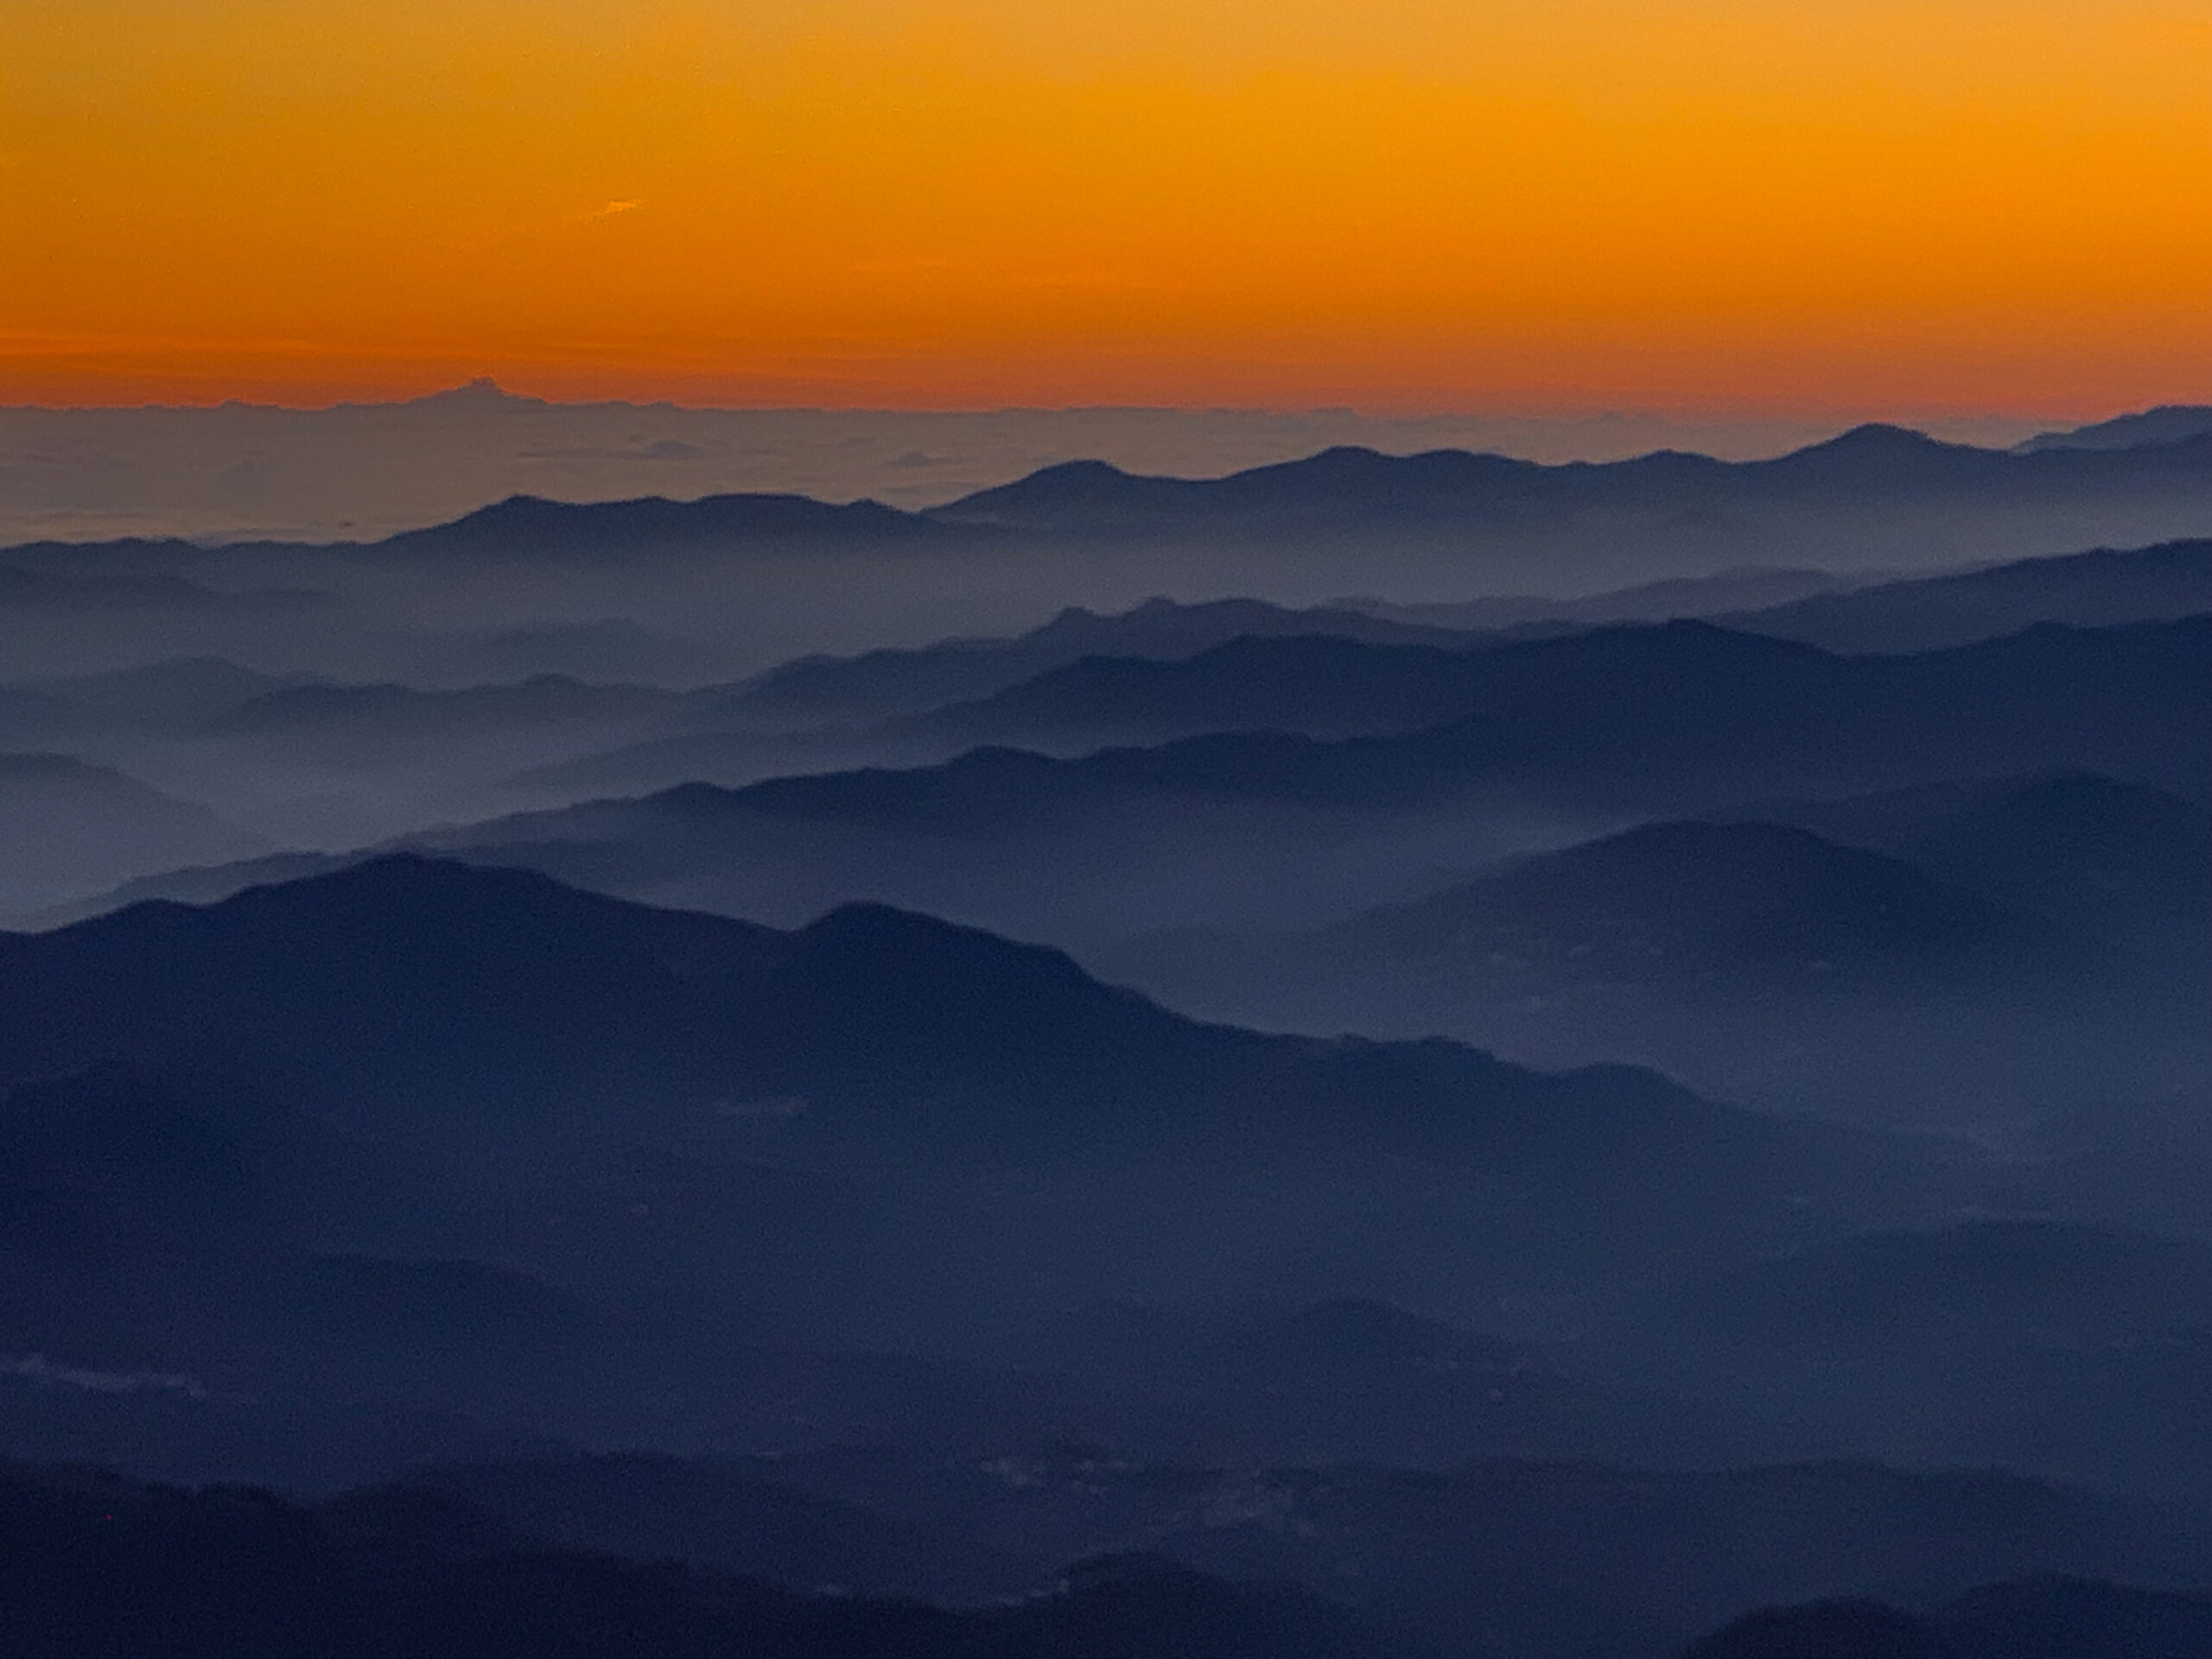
(1380, 1056)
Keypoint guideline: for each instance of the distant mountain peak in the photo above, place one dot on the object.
(1886, 432)
(1882, 438)
(481, 392)
(1071, 472)
(1348, 457)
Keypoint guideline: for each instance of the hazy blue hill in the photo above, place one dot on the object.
(1510, 1556)
(2090, 589)
(2024, 1280)
(1588, 1559)
(1441, 524)
(195, 885)
(1751, 587)
(1321, 685)
(1883, 456)
(1490, 1559)
(1633, 717)
(1345, 488)
(344, 982)
(2050, 1616)
(1561, 702)
(42, 588)
(70, 828)
(2075, 1352)
(1827, 1630)
(2043, 1618)
(727, 1514)
(2091, 848)
(161, 1301)
(729, 759)
(1354, 1380)
(178, 692)
(2168, 424)
(123, 553)
(527, 524)
(1757, 960)
(1689, 905)
(1346, 484)
(184, 1290)
(1563, 738)
(882, 684)
(818, 712)
(1351, 485)
(400, 710)
(880, 1130)
(508, 998)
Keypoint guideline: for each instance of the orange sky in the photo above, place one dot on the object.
(1400, 204)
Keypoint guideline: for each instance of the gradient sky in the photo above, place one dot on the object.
(1858, 205)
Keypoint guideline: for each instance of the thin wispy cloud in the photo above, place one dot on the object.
(37, 1368)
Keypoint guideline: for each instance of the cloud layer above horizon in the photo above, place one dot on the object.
(1410, 205)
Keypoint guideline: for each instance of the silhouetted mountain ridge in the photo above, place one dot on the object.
(527, 524)
(93, 1564)
(2102, 587)
(509, 997)
(2046, 1617)
(1347, 486)
(2167, 423)
(880, 684)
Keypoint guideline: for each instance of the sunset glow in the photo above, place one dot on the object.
(1405, 205)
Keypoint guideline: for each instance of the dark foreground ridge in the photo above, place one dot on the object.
(94, 1564)
(94, 1567)
(2036, 1618)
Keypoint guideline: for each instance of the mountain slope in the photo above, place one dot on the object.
(2093, 589)
(532, 526)
(1689, 905)
(2038, 1618)
(1756, 960)
(2168, 424)
(177, 692)
(521, 998)
(883, 684)
(1320, 685)
(95, 1564)
(480, 1085)
(1347, 487)
(68, 828)
(1914, 491)
(2113, 856)
(1561, 740)
(883, 707)
(1672, 711)
(491, 1031)
(1554, 1558)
